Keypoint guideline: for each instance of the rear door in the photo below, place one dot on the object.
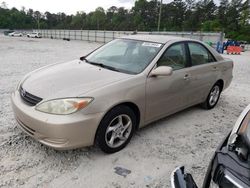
(204, 72)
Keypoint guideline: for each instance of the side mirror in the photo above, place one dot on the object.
(162, 71)
(180, 179)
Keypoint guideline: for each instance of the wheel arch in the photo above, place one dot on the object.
(220, 82)
(132, 106)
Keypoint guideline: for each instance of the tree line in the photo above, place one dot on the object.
(229, 16)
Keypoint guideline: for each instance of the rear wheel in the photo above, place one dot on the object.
(116, 129)
(213, 97)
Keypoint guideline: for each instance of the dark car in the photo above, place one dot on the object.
(6, 33)
(243, 45)
(230, 165)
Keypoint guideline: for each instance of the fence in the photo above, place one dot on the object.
(86, 35)
(106, 36)
(24, 31)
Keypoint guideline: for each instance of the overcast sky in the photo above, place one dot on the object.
(71, 6)
(67, 6)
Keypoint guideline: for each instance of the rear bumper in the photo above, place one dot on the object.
(58, 131)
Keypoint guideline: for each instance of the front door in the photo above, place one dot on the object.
(167, 94)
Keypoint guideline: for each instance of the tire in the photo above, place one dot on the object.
(116, 129)
(213, 97)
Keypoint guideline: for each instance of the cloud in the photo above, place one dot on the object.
(69, 7)
(126, 1)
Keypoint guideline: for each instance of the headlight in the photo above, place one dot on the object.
(63, 106)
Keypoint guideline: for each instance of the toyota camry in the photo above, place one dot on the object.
(105, 96)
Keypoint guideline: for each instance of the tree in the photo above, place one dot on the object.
(37, 16)
(222, 13)
(145, 14)
(231, 17)
(245, 13)
(110, 17)
(78, 21)
(99, 18)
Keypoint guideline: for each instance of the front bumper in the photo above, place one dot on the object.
(58, 131)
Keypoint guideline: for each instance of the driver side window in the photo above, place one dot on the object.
(174, 56)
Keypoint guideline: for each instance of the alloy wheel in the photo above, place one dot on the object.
(118, 131)
(214, 95)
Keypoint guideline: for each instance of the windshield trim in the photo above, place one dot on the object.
(162, 43)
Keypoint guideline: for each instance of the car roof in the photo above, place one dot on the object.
(155, 38)
(163, 39)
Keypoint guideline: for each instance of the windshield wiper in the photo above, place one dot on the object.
(102, 65)
(99, 64)
(83, 58)
(105, 66)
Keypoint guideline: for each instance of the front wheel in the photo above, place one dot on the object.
(116, 129)
(213, 97)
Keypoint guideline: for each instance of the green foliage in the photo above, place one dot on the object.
(230, 16)
(212, 25)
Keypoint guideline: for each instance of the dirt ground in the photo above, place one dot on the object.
(187, 138)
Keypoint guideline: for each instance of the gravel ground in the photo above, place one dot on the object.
(187, 138)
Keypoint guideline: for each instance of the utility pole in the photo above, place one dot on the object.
(159, 19)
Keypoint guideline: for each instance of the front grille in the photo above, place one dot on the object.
(28, 98)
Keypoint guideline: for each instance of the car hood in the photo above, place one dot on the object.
(72, 79)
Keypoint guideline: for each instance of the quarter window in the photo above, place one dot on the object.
(174, 56)
(199, 54)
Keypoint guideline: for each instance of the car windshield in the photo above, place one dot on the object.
(124, 55)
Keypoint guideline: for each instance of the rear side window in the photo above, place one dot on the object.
(174, 56)
(199, 54)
